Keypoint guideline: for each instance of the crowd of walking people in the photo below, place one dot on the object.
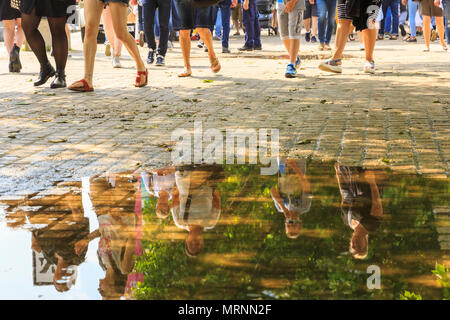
(160, 22)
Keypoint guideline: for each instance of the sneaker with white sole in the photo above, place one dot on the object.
(298, 62)
(290, 71)
(331, 66)
(369, 67)
(116, 62)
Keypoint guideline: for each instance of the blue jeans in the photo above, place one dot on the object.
(412, 9)
(447, 19)
(327, 12)
(251, 24)
(218, 26)
(224, 17)
(394, 6)
(388, 21)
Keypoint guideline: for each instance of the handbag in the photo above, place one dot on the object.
(15, 4)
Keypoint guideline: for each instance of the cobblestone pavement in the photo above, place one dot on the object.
(398, 117)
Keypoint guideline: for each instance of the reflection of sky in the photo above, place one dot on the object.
(16, 265)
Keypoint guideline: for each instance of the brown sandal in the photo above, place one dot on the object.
(215, 65)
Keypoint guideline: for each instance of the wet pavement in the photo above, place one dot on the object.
(313, 230)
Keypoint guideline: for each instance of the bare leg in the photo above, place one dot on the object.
(427, 31)
(119, 12)
(370, 37)
(115, 43)
(314, 26)
(441, 29)
(9, 27)
(185, 44)
(307, 25)
(343, 30)
(292, 46)
(92, 13)
(206, 37)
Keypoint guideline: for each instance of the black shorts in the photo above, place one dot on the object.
(310, 10)
(6, 12)
(47, 8)
(363, 17)
(106, 2)
(191, 18)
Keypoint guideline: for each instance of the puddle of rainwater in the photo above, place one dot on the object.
(312, 231)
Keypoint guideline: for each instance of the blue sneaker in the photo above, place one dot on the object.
(308, 36)
(298, 62)
(313, 39)
(290, 71)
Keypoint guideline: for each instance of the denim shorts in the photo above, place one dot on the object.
(192, 18)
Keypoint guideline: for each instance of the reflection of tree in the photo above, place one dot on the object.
(248, 252)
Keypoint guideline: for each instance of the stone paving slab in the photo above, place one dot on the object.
(397, 118)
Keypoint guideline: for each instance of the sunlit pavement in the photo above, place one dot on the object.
(397, 118)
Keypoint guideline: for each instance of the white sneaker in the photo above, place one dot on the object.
(116, 62)
(331, 66)
(369, 67)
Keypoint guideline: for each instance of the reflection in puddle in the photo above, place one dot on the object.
(226, 232)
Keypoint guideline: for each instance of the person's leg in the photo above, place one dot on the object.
(92, 13)
(149, 8)
(307, 25)
(30, 24)
(447, 22)
(331, 8)
(388, 18)
(20, 35)
(385, 6)
(9, 29)
(218, 25)
(427, 31)
(60, 43)
(225, 14)
(343, 30)
(164, 8)
(441, 30)
(412, 8)
(119, 13)
(235, 18)
(185, 44)
(249, 28)
(115, 43)
(206, 37)
(322, 20)
(395, 16)
(314, 25)
(257, 27)
(370, 37)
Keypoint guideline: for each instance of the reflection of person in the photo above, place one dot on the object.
(113, 200)
(292, 197)
(361, 205)
(160, 184)
(57, 242)
(196, 203)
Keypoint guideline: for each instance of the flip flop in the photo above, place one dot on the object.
(215, 65)
(84, 88)
(185, 73)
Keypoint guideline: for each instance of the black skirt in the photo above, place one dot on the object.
(6, 12)
(48, 8)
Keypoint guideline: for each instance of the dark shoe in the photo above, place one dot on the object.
(151, 57)
(411, 39)
(313, 39)
(257, 48)
(60, 81)
(308, 36)
(244, 48)
(160, 61)
(226, 50)
(14, 57)
(46, 73)
(402, 29)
